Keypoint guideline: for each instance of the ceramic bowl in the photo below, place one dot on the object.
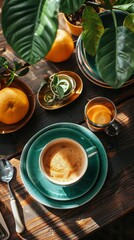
(9, 128)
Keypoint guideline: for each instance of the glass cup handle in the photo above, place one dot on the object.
(91, 151)
(112, 129)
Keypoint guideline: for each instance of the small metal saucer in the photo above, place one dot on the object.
(56, 103)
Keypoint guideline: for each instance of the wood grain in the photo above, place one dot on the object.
(116, 197)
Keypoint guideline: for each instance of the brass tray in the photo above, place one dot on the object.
(58, 103)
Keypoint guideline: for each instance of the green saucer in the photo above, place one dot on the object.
(38, 196)
(52, 190)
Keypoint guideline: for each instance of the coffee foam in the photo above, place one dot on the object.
(63, 161)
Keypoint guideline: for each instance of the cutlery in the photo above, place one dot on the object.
(6, 175)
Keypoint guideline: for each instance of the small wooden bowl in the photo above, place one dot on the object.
(9, 128)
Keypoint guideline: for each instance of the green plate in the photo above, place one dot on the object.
(87, 65)
(52, 190)
(37, 195)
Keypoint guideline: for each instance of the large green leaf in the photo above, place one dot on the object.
(126, 7)
(122, 2)
(92, 30)
(70, 6)
(30, 27)
(115, 56)
(129, 22)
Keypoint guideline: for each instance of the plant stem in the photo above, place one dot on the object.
(114, 18)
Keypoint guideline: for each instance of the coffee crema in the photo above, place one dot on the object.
(64, 160)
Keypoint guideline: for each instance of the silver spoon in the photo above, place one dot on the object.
(6, 174)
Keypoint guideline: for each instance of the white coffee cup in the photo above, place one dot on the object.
(64, 161)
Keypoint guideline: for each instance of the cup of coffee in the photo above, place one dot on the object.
(64, 161)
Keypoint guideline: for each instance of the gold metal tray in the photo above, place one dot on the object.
(58, 103)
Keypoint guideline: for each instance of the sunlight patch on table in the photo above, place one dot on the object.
(86, 224)
(123, 118)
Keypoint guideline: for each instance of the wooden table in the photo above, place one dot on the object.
(116, 197)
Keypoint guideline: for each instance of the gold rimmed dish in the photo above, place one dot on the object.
(89, 75)
(87, 66)
(56, 103)
(8, 128)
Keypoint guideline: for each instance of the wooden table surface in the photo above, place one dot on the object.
(115, 199)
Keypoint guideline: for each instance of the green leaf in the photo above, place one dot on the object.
(122, 2)
(55, 80)
(129, 22)
(126, 7)
(10, 79)
(3, 62)
(92, 30)
(30, 27)
(70, 6)
(60, 91)
(23, 72)
(17, 65)
(115, 56)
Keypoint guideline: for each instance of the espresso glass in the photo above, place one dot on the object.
(100, 108)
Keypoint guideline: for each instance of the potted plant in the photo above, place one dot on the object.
(74, 21)
(62, 85)
(30, 27)
(112, 45)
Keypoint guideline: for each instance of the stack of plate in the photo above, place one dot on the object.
(53, 195)
(87, 66)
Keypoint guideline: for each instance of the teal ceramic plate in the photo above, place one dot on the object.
(85, 69)
(88, 62)
(37, 195)
(52, 190)
(87, 66)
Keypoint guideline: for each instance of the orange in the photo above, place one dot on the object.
(99, 114)
(14, 105)
(102, 117)
(62, 47)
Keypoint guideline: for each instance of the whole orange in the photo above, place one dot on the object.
(14, 105)
(62, 47)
